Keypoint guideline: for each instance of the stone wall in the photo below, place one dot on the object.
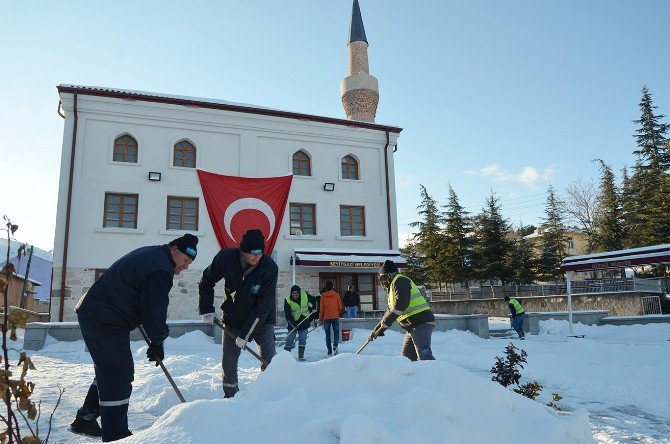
(618, 304)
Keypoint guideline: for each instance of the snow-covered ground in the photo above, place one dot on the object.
(614, 384)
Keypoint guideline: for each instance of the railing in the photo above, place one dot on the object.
(590, 286)
(651, 305)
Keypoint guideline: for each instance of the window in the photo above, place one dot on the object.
(571, 243)
(125, 149)
(120, 210)
(303, 218)
(182, 213)
(349, 168)
(301, 164)
(184, 154)
(352, 221)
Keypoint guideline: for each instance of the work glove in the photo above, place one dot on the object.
(209, 317)
(378, 331)
(155, 352)
(241, 343)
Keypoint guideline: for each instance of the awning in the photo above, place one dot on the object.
(657, 254)
(347, 258)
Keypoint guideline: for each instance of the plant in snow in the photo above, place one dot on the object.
(506, 373)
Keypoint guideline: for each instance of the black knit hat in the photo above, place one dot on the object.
(388, 267)
(252, 242)
(295, 289)
(187, 244)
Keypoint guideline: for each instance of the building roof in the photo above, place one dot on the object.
(39, 274)
(653, 255)
(199, 102)
(356, 29)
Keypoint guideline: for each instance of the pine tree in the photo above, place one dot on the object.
(524, 264)
(416, 270)
(429, 241)
(456, 254)
(493, 247)
(629, 213)
(608, 220)
(554, 239)
(651, 136)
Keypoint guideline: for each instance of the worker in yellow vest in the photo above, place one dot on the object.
(518, 315)
(407, 306)
(299, 311)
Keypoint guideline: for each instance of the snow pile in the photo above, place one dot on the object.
(354, 399)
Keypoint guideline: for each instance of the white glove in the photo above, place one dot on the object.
(209, 318)
(241, 343)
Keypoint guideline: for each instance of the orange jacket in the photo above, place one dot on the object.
(331, 306)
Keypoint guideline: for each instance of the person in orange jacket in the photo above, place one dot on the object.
(329, 316)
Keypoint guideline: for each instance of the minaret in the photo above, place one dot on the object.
(360, 91)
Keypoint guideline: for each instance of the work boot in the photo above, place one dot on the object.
(335, 352)
(330, 353)
(301, 354)
(86, 427)
(288, 349)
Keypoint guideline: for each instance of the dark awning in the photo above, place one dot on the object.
(654, 255)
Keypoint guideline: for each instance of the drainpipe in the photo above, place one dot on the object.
(67, 215)
(388, 196)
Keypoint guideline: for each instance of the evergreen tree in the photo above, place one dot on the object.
(651, 136)
(416, 270)
(493, 247)
(456, 254)
(523, 261)
(629, 218)
(429, 241)
(608, 220)
(554, 239)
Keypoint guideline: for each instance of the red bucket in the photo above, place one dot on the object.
(346, 335)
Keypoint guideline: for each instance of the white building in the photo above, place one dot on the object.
(115, 141)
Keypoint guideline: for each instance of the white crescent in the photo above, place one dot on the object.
(247, 203)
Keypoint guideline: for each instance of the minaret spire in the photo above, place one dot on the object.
(360, 90)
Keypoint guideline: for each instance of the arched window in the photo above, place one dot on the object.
(184, 154)
(349, 168)
(125, 149)
(301, 164)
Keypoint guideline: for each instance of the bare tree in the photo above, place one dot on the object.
(580, 206)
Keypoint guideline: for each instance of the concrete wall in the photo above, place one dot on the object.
(618, 304)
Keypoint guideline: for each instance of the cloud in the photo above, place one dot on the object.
(529, 176)
(404, 180)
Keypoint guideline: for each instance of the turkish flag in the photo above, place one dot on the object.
(237, 204)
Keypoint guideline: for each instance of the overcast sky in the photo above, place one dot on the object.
(505, 96)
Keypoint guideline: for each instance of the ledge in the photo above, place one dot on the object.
(115, 230)
(354, 238)
(178, 233)
(308, 237)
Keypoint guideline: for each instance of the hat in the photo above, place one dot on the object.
(388, 267)
(295, 290)
(187, 245)
(252, 242)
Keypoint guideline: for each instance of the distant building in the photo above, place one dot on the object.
(576, 241)
(129, 178)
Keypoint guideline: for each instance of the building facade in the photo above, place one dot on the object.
(129, 178)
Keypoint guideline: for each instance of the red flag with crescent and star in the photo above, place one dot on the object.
(237, 204)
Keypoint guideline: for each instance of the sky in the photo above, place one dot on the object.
(508, 97)
(609, 382)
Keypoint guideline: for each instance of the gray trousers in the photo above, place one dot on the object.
(416, 345)
(264, 336)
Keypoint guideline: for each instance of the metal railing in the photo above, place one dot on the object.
(651, 305)
(589, 286)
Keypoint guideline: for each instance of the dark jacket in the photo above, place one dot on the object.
(351, 299)
(314, 314)
(250, 300)
(403, 287)
(134, 290)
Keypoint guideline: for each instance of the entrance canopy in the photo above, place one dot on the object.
(654, 255)
(346, 258)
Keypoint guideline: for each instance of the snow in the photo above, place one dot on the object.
(613, 381)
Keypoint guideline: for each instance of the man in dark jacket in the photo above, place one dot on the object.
(134, 291)
(299, 310)
(407, 306)
(351, 301)
(518, 315)
(249, 304)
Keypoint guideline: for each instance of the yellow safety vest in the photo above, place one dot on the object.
(517, 307)
(417, 303)
(301, 309)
